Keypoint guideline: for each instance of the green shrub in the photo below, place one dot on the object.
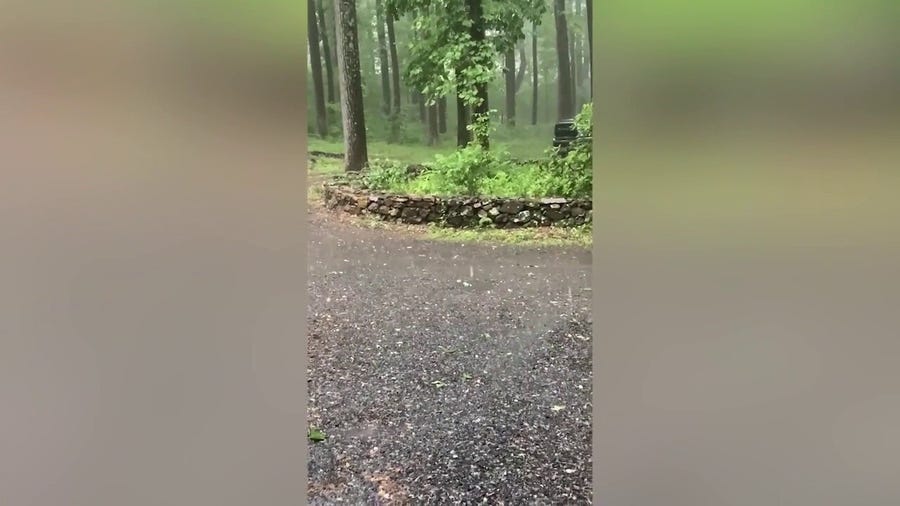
(455, 174)
(475, 171)
(571, 174)
(584, 120)
(385, 175)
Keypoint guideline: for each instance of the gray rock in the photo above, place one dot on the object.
(511, 207)
(554, 201)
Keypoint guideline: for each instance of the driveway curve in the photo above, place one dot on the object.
(447, 373)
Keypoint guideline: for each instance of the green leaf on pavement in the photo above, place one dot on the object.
(316, 434)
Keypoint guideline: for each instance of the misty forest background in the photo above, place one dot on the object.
(542, 77)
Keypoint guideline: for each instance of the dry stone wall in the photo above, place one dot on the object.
(459, 212)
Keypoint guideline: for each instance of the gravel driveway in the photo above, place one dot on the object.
(446, 373)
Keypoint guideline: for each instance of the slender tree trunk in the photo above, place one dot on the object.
(566, 104)
(462, 121)
(574, 79)
(511, 87)
(384, 64)
(578, 48)
(442, 115)
(534, 75)
(477, 32)
(432, 111)
(352, 112)
(395, 64)
(419, 99)
(316, 62)
(590, 15)
(523, 65)
(328, 49)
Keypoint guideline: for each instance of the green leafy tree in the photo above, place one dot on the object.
(458, 43)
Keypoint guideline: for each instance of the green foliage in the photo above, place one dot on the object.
(458, 173)
(386, 175)
(569, 175)
(444, 58)
(475, 171)
(584, 120)
(572, 173)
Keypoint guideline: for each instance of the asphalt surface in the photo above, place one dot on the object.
(446, 373)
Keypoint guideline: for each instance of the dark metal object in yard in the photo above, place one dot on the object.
(565, 136)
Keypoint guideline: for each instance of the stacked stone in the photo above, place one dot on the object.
(461, 212)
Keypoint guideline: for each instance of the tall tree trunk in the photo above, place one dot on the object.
(590, 15)
(462, 121)
(566, 104)
(571, 36)
(419, 99)
(523, 65)
(383, 58)
(578, 48)
(442, 115)
(329, 49)
(395, 64)
(352, 112)
(477, 32)
(534, 75)
(432, 124)
(511, 87)
(316, 62)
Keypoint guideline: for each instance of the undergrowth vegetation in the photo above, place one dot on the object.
(475, 171)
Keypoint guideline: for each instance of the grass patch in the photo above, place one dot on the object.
(540, 236)
(528, 237)
(525, 142)
(403, 153)
(326, 166)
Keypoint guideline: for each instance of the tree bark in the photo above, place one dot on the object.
(329, 49)
(590, 15)
(511, 87)
(578, 49)
(566, 104)
(316, 62)
(462, 121)
(534, 75)
(572, 68)
(523, 65)
(477, 32)
(395, 64)
(442, 115)
(432, 124)
(419, 99)
(352, 112)
(383, 59)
